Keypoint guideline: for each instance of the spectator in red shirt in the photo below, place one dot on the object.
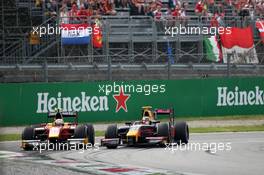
(73, 14)
(90, 11)
(200, 8)
(176, 11)
(107, 8)
(157, 13)
(82, 14)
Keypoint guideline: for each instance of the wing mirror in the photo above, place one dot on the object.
(128, 123)
(155, 121)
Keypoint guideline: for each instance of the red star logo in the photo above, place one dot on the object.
(121, 99)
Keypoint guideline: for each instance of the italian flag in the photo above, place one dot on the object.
(238, 44)
(212, 49)
(260, 27)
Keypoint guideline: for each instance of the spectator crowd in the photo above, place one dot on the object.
(213, 9)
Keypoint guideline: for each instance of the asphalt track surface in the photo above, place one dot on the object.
(245, 157)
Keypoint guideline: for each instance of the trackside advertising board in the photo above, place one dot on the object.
(28, 103)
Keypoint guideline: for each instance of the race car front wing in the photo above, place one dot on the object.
(38, 143)
(126, 141)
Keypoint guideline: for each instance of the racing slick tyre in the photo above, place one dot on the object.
(181, 134)
(85, 131)
(28, 134)
(163, 130)
(110, 133)
(90, 133)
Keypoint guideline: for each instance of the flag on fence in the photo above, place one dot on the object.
(75, 34)
(212, 49)
(97, 37)
(97, 34)
(260, 27)
(238, 44)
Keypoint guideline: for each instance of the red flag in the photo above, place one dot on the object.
(241, 37)
(260, 27)
(97, 37)
(239, 44)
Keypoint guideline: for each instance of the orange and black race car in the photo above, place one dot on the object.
(148, 130)
(58, 131)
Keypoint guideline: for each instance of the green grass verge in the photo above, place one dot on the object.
(186, 118)
(228, 129)
(231, 117)
(99, 133)
(11, 137)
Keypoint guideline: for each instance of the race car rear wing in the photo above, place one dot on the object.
(164, 111)
(169, 112)
(64, 114)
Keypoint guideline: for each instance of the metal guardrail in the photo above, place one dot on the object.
(165, 69)
(116, 57)
(212, 66)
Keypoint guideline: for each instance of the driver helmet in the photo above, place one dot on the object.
(59, 122)
(146, 120)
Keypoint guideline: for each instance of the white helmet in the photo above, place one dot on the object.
(59, 122)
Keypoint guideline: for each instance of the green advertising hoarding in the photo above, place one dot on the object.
(28, 103)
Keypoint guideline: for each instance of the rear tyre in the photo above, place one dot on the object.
(80, 132)
(85, 132)
(28, 134)
(181, 134)
(110, 133)
(163, 130)
(90, 133)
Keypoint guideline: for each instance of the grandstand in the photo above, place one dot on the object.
(135, 46)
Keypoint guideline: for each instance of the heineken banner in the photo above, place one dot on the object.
(104, 101)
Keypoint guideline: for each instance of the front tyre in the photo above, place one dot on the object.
(110, 133)
(85, 132)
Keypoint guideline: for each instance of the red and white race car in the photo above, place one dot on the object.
(58, 131)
